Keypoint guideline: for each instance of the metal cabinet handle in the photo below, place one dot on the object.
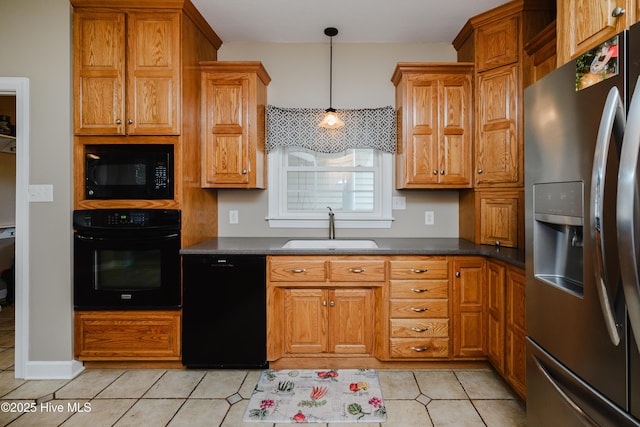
(298, 270)
(129, 121)
(587, 420)
(420, 349)
(419, 310)
(419, 270)
(612, 124)
(332, 303)
(357, 270)
(419, 291)
(618, 12)
(415, 329)
(442, 172)
(244, 171)
(480, 171)
(118, 121)
(457, 274)
(626, 200)
(435, 172)
(324, 303)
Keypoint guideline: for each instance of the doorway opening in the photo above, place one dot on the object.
(19, 88)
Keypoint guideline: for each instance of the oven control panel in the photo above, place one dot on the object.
(125, 218)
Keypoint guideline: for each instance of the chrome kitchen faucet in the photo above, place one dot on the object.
(332, 224)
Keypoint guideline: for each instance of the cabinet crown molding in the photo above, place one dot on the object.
(156, 5)
(430, 67)
(499, 13)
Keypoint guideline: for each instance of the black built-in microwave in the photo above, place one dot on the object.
(129, 171)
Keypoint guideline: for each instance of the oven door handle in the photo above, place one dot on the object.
(128, 237)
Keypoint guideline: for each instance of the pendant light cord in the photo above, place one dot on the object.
(331, 72)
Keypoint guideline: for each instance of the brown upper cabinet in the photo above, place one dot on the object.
(498, 149)
(126, 72)
(583, 24)
(234, 99)
(433, 108)
(497, 44)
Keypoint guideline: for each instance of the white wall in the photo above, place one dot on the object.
(361, 79)
(36, 43)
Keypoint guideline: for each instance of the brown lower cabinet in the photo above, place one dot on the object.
(506, 327)
(127, 335)
(380, 310)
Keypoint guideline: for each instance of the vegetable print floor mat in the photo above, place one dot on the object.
(317, 396)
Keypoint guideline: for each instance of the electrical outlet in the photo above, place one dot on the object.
(429, 218)
(233, 217)
(399, 203)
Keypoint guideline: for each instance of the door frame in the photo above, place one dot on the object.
(19, 86)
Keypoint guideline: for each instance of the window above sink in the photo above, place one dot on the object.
(356, 183)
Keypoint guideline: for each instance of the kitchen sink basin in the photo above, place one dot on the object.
(330, 244)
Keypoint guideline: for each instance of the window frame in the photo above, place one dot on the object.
(280, 217)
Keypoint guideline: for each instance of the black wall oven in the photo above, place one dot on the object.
(129, 171)
(127, 259)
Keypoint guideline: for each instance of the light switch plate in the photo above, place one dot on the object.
(41, 193)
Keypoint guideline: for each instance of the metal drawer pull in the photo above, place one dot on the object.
(419, 310)
(618, 12)
(419, 270)
(419, 291)
(357, 270)
(298, 270)
(420, 349)
(415, 329)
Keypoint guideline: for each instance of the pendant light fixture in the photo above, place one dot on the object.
(331, 119)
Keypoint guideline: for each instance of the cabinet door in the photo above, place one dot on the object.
(498, 155)
(583, 24)
(305, 320)
(225, 144)
(468, 307)
(499, 219)
(515, 361)
(455, 144)
(497, 44)
(422, 129)
(351, 321)
(98, 68)
(496, 314)
(153, 73)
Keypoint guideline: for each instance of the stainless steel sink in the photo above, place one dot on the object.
(330, 244)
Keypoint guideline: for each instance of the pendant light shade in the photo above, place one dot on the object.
(331, 119)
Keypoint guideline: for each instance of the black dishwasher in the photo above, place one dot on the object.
(224, 311)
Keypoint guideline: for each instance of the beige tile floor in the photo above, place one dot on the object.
(193, 398)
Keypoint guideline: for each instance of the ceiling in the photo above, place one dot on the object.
(358, 21)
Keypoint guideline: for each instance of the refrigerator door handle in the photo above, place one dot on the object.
(613, 123)
(628, 205)
(583, 416)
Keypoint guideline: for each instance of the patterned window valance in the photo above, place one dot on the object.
(368, 127)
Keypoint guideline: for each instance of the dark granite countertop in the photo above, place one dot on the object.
(386, 246)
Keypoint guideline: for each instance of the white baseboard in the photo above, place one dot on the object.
(61, 370)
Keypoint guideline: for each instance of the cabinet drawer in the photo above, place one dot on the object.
(419, 328)
(419, 308)
(297, 270)
(419, 269)
(127, 335)
(414, 348)
(419, 289)
(357, 271)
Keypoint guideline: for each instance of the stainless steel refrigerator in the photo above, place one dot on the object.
(582, 136)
